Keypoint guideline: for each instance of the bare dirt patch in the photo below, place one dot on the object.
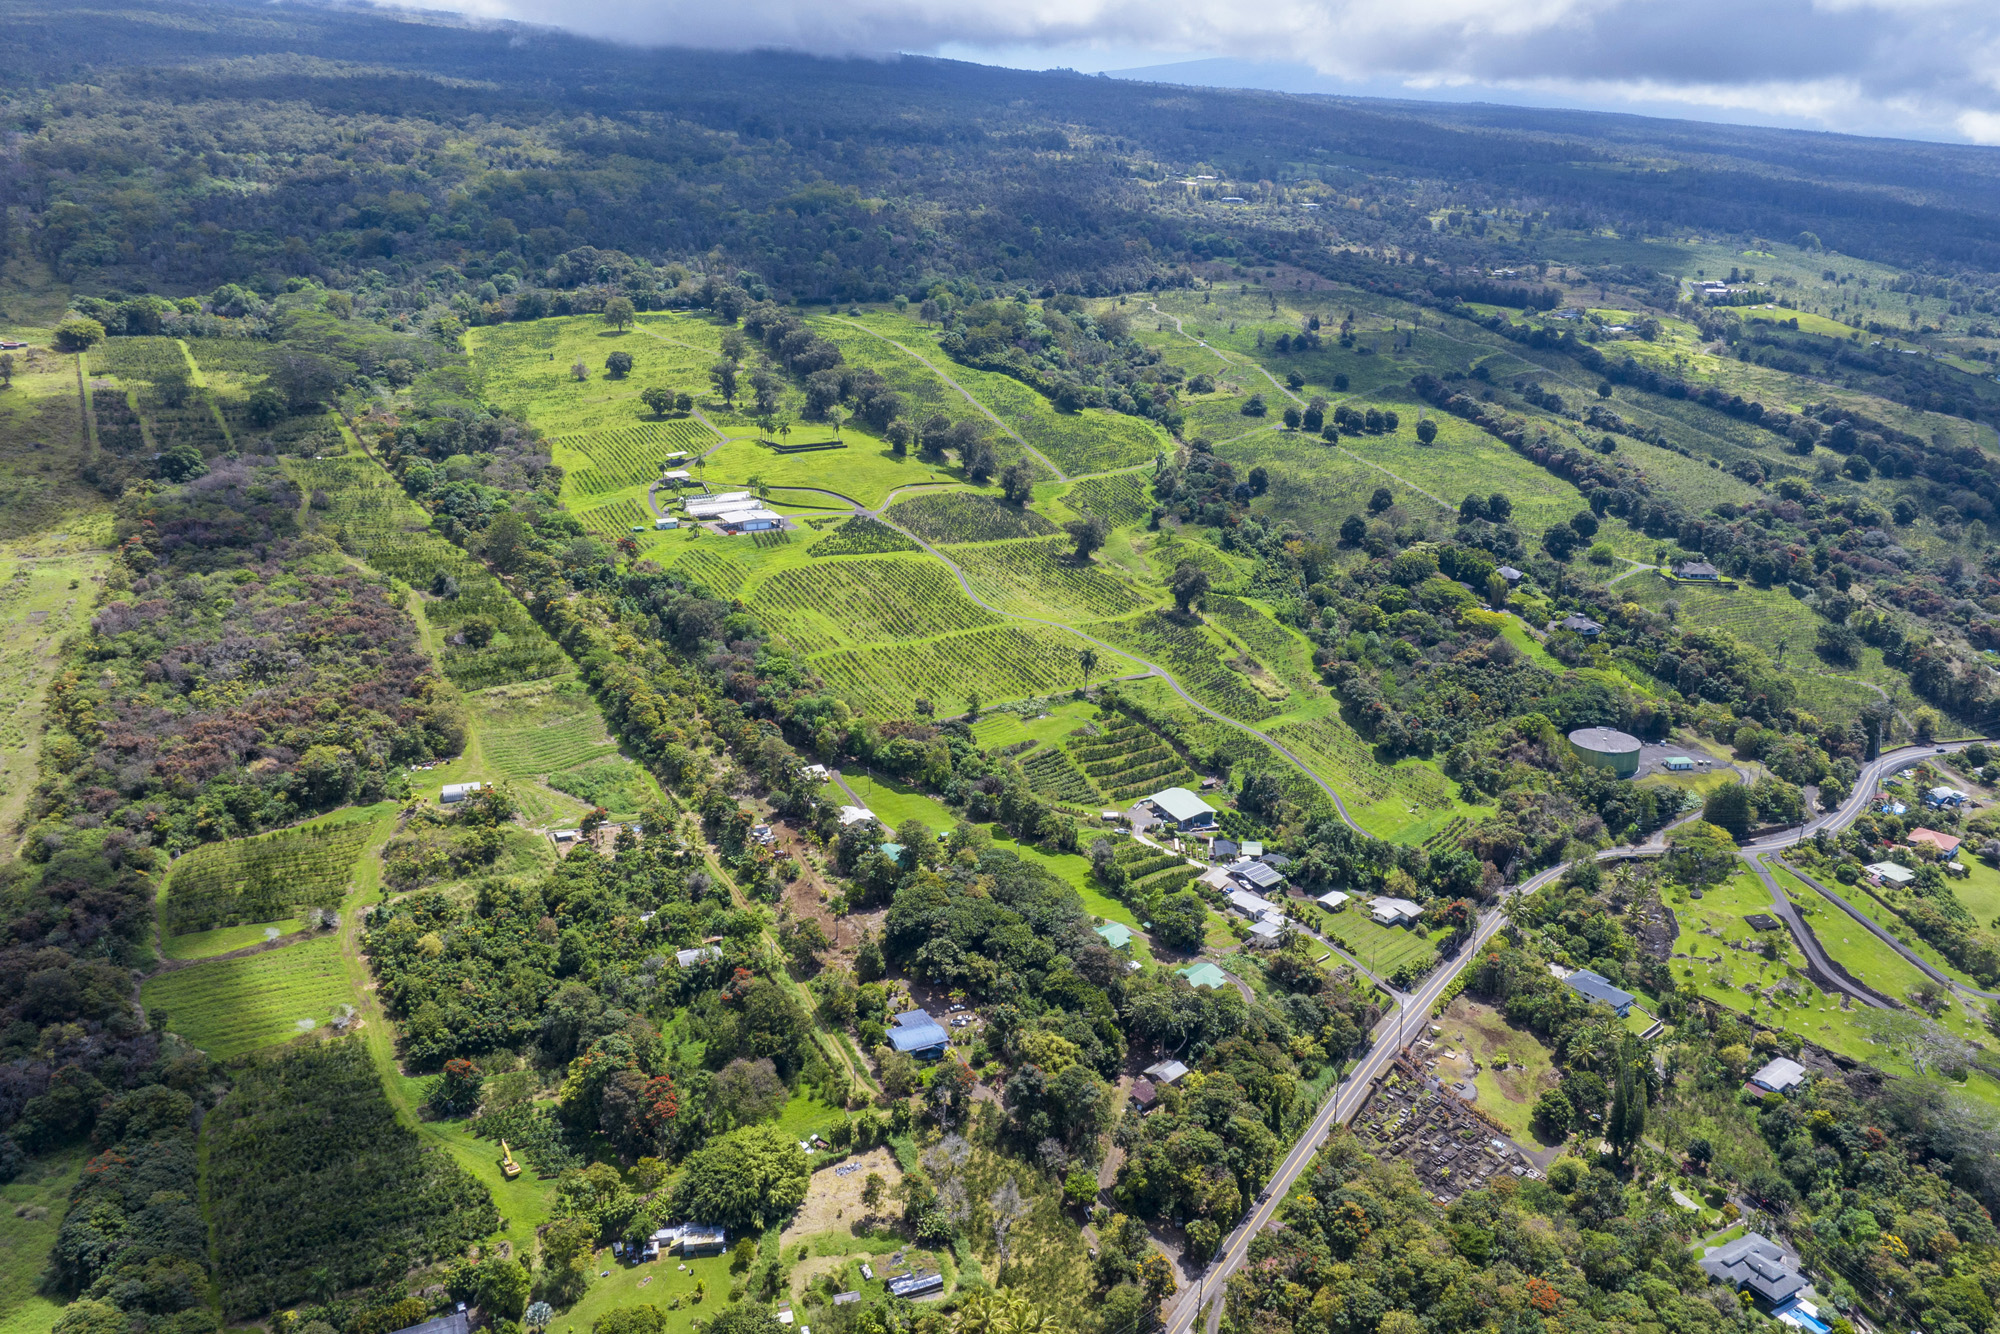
(834, 1202)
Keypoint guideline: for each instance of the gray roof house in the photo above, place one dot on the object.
(1596, 987)
(1582, 625)
(1754, 1263)
(456, 1322)
(1257, 875)
(1780, 1076)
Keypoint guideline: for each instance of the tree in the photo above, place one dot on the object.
(659, 399)
(978, 459)
(618, 365)
(872, 1188)
(1079, 1187)
(1554, 1114)
(1628, 1101)
(1088, 533)
(1292, 418)
(502, 1285)
(78, 333)
(1499, 508)
(507, 536)
(182, 461)
(1427, 431)
(1699, 854)
(836, 417)
(1189, 585)
(6, 370)
(1353, 529)
(745, 1092)
(1728, 809)
(723, 376)
(1180, 920)
(1017, 481)
(1086, 658)
(267, 406)
(749, 1178)
(618, 313)
(1381, 500)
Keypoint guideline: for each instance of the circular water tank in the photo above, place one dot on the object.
(1607, 748)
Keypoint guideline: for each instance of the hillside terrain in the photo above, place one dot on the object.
(557, 594)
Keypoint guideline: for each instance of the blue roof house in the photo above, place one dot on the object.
(918, 1034)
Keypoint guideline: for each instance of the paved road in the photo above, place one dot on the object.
(1389, 1036)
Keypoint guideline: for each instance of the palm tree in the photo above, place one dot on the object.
(1088, 657)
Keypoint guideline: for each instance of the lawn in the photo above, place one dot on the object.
(31, 1210)
(997, 731)
(1508, 1094)
(1979, 891)
(893, 802)
(232, 1006)
(1383, 949)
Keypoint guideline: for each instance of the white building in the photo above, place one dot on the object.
(1780, 1076)
(1394, 912)
(1333, 898)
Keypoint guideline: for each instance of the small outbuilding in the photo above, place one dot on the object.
(1165, 1072)
(455, 792)
(1206, 975)
(1335, 899)
(916, 1285)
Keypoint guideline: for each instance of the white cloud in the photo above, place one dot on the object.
(1925, 67)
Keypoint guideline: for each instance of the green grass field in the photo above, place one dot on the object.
(264, 879)
(32, 1206)
(233, 1006)
(1482, 1033)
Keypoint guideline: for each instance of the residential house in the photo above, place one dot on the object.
(1257, 875)
(1596, 987)
(1144, 1095)
(1889, 873)
(1582, 625)
(689, 958)
(1696, 569)
(1116, 935)
(921, 1036)
(1940, 798)
(1754, 1264)
(854, 815)
(1394, 912)
(1251, 905)
(1165, 1072)
(1334, 898)
(1205, 974)
(1510, 574)
(454, 1322)
(1946, 844)
(1267, 931)
(1780, 1076)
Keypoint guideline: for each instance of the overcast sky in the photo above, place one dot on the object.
(1915, 68)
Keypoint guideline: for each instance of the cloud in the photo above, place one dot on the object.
(1925, 67)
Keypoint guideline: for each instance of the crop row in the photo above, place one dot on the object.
(629, 456)
(718, 576)
(1077, 442)
(861, 536)
(117, 424)
(527, 752)
(261, 879)
(1118, 500)
(1005, 662)
(1041, 578)
(617, 519)
(139, 358)
(962, 516)
(232, 356)
(1349, 763)
(231, 1006)
(823, 607)
(355, 494)
(1161, 882)
(1183, 650)
(1279, 651)
(1052, 774)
